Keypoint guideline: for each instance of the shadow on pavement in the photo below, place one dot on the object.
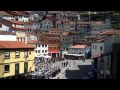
(78, 74)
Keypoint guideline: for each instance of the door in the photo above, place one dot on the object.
(25, 67)
(17, 69)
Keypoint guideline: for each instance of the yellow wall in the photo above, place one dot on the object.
(12, 61)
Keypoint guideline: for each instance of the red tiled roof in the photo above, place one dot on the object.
(6, 33)
(13, 45)
(32, 33)
(78, 46)
(16, 22)
(54, 51)
(71, 22)
(53, 37)
(65, 33)
(59, 22)
(28, 23)
(52, 34)
(58, 29)
(33, 21)
(110, 32)
(17, 13)
(15, 28)
(36, 42)
(5, 13)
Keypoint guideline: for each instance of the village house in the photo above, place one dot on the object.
(16, 59)
(41, 48)
(18, 28)
(46, 24)
(53, 41)
(5, 15)
(7, 36)
(102, 53)
(55, 31)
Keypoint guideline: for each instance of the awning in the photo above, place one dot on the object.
(39, 55)
(48, 56)
(54, 51)
(75, 54)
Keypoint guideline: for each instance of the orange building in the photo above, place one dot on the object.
(53, 41)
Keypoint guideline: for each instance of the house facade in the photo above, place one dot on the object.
(17, 59)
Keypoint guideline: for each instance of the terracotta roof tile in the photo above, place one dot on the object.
(5, 13)
(65, 33)
(58, 29)
(16, 22)
(13, 45)
(78, 46)
(6, 33)
(36, 42)
(23, 29)
(110, 32)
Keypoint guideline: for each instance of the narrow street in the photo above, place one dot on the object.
(78, 71)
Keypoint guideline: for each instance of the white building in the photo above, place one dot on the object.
(46, 24)
(5, 15)
(76, 49)
(4, 27)
(102, 46)
(41, 48)
(31, 37)
(7, 36)
(35, 25)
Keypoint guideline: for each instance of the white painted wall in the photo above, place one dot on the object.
(41, 48)
(76, 51)
(20, 34)
(9, 18)
(31, 37)
(35, 26)
(8, 38)
(96, 51)
(4, 28)
(23, 19)
(46, 24)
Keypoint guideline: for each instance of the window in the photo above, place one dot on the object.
(43, 46)
(42, 51)
(44, 22)
(39, 45)
(45, 51)
(73, 37)
(36, 45)
(38, 51)
(26, 53)
(76, 37)
(51, 32)
(35, 51)
(66, 49)
(7, 68)
(7, 54)
(63, 39)
(100, 48)
(17, 54)
(93, 46)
